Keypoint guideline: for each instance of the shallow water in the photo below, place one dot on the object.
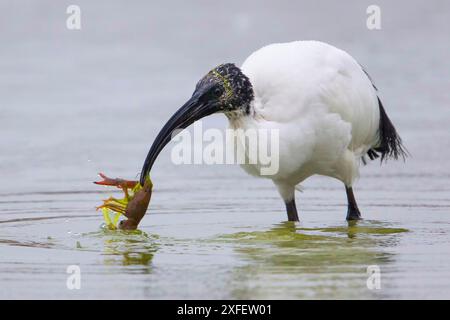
(74, 103)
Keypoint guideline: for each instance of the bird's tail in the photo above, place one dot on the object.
(390, 144)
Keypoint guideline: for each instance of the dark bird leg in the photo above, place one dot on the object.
(291, 210)
(352, 211)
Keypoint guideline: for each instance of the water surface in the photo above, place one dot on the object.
(74, 103)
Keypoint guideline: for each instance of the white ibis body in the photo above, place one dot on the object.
(323, 103)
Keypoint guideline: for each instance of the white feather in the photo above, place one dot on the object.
(323, 104)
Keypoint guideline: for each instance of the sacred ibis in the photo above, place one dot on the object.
(321, 100)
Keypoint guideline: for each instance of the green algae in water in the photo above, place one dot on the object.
(355, 229)
(289, 231)
(314, 249)
(279, 260)
(110, 223)
(123, 247)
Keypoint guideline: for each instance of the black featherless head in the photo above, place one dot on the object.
(224, 89)
(232, 87)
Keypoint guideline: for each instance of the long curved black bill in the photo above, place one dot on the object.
(190, 112)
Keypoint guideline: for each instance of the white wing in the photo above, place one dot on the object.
(295, 80)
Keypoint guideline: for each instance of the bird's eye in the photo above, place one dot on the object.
(217, 92)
